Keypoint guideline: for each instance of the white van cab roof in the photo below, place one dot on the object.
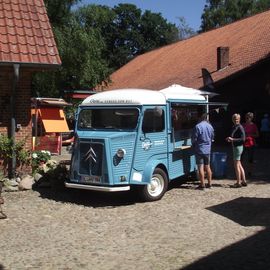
(145, 96)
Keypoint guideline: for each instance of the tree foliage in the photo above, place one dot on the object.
(81, 51)
(82, 64)
(81, 54)
(156, 31)
(217, 13)
(59, 11)
(127, 32)
(184, 30)
(95, 40)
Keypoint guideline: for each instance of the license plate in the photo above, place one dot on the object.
(91, 179)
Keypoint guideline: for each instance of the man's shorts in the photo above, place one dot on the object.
(202, 159)
(237, 152)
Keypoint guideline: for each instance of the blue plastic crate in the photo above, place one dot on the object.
(219, 164)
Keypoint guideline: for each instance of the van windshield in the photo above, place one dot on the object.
(108, 119)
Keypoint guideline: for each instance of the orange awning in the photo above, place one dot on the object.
(53, 119)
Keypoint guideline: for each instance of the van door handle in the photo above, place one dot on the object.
(183, 147)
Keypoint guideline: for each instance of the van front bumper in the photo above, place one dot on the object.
(97, 188)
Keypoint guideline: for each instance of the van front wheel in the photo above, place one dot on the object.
(157, 186)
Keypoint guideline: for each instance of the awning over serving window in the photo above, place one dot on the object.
(53, 119)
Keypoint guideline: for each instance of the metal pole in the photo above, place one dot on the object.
(207, 106)
(35, 125)
(13, 120)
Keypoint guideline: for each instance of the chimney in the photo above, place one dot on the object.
(222, 57)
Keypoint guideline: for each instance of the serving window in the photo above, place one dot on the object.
(185, 117)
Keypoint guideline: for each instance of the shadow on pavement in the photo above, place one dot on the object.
(88, 198)
(251, 253)
(245, 211)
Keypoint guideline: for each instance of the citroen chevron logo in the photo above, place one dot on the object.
(90, 155)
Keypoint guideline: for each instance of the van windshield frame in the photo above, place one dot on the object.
(108, 119)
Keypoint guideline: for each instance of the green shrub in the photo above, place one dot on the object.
(7, 148)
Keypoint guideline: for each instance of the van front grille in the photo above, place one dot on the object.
(91, 159)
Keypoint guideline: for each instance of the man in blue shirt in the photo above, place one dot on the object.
(202, 137)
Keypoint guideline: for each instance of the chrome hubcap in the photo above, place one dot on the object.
(156, 186)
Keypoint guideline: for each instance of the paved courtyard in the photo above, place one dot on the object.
(221, 228)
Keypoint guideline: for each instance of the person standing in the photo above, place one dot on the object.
(237, 140)
(202, 137)
(265, 130)
(2, 214)
(252, 133)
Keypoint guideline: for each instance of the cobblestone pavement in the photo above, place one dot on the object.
(221, 228)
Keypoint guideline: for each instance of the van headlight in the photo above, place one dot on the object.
(121, 153)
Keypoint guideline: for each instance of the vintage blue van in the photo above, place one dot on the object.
(135, 138)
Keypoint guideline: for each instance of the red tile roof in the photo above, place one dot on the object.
(181, 63)
(25, 33)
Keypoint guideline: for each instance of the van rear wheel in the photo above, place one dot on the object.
(157, 187)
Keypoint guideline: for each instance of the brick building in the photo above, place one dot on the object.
(27, 45)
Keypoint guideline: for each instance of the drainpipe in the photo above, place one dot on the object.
(12, 169)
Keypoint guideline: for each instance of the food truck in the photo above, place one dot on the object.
(135, 138)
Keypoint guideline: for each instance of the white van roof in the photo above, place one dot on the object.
(145, 96)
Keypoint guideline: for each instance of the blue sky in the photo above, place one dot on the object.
(191, 10)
